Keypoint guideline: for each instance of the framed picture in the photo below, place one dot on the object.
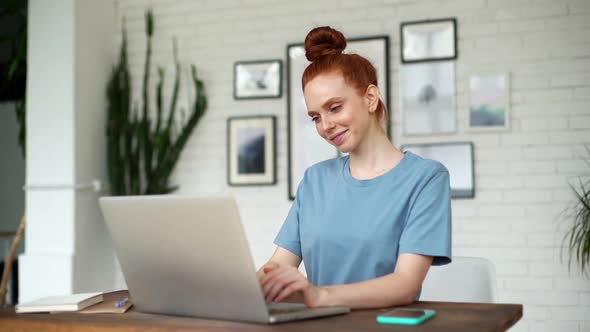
(305, 146)
(251, 152)
(457, 158)
(489, 102)
(431, 40)
(427, 98)
(258, 79)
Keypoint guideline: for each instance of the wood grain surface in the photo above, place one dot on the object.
(450, 316)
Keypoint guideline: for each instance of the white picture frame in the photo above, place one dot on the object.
(305, 146)
(427, 98)
(457, 157)
(489, 102)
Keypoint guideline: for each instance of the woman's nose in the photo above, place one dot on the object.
(327, 124)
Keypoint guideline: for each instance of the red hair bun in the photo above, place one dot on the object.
(323, 41)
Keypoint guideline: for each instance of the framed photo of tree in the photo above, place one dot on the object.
(251, 152)
(427, 98)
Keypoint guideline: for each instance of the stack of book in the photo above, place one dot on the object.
(85, 303)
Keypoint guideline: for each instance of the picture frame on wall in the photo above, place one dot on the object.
(258, 79)
(427, 98)
(251, 152)
(489, 102)
(428, 40)
(457, 157)
(305, 146)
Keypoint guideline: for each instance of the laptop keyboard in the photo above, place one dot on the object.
(285, 311)
(286, 308)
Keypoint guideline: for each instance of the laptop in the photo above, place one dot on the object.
(189, 256)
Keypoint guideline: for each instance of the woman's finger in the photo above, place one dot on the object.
(272, 296)
(282, 281)
(265, 269)
(277, 273)
(296, 286)
(270, 275)
(277, 282)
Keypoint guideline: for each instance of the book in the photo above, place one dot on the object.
(116, 302)
(61, 303)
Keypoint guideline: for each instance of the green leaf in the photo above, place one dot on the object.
(149, 22)
(578, 236)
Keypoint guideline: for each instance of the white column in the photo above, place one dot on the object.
(70, 52)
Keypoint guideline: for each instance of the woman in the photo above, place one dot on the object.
(368, 225)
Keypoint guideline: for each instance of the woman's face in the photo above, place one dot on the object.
(340, 115)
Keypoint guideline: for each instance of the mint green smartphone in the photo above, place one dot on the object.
(405, 316)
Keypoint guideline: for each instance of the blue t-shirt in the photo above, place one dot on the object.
(348, 230)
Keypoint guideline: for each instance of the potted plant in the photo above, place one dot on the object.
(12, 87)
(142, 152)
(578, 236)
(14, 73)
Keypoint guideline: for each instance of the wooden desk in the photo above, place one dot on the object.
(450, 317)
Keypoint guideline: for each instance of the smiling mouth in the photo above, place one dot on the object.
(338, 138)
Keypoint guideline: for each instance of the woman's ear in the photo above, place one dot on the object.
(372, 96)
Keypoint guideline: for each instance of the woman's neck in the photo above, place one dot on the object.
(375, 156)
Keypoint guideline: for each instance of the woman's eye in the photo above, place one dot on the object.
(335, 108)
(314, 118)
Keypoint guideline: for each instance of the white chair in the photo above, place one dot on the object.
(465, 279)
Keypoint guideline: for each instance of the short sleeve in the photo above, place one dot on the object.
(288, 236)
(428, 227)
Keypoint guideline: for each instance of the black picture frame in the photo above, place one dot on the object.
(457, 157)
(258, 79)
(248, 162)
(297, 112)
(410, 49)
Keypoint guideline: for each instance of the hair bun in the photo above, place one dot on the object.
(323, 41)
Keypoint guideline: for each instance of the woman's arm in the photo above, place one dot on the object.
(281, 257)
(397, 288)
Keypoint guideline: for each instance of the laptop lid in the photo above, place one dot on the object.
(185, 256)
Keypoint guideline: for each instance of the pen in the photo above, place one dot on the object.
(121, 303)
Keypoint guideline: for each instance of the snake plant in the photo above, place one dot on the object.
(143, 151)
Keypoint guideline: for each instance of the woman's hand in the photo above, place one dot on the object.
(266, 267)
(286, 282)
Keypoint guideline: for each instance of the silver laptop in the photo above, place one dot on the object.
(189, 256)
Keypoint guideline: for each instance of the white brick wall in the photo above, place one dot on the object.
(521, 175)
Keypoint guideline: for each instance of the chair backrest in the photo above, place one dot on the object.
(466, 279)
